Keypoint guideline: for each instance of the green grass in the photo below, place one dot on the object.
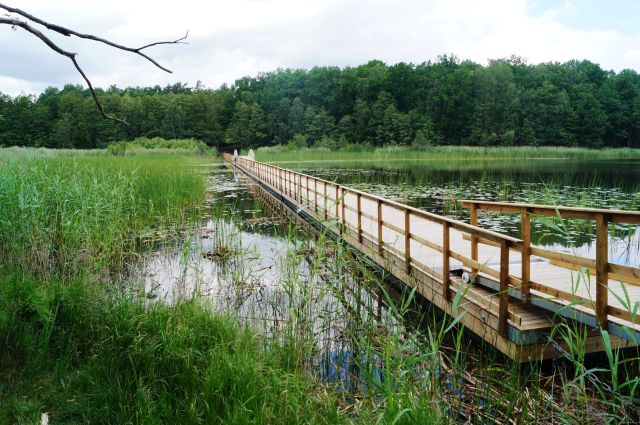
(68, 216)
(83, 354)
(281, 154)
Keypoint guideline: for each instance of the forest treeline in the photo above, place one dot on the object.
(446, 102)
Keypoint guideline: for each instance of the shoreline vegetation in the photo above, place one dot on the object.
(79, 348)
(447, 101)
(284, 153)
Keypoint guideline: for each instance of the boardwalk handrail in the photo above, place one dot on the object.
(601, 266)
(330, 203)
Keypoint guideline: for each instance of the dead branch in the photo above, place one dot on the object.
(72, 56)
(8, 20)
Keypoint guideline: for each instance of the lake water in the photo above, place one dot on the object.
(436, 186)
(279, 281)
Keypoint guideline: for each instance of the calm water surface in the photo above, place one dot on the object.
(273, 281)
(436, 186)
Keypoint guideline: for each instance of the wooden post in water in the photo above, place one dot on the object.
(380, 242)
(359, 207)
(503, 308)
(473, 213)
(446, 251)
(602, 269)
(525, 226)
(407, 241)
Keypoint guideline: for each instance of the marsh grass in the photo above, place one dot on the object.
(272, 154)
(334, 341)
(84, 354)
(64, 217)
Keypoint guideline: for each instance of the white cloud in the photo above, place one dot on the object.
(230, 39)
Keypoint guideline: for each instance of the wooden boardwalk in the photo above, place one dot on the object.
(513, 292)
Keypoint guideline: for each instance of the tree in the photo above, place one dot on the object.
(247, 126)
(174, 119)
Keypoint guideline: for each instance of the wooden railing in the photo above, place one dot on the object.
(603, 269)
(327, 200)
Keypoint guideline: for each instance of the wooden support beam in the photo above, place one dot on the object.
(602, 269)
(446, 258)
(344, 218)
(359, 212)
(503, 311)
(407, 241)
(324, 192)
(473, 213)
(525, 226)
(380, 241)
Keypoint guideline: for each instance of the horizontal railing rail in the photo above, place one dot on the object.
(600, 266)
(327, 200)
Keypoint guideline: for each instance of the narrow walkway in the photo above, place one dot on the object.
(512, 307)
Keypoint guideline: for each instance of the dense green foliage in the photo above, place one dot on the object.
(86, 356)
(452, 102)
(157, 144)
(68, 215)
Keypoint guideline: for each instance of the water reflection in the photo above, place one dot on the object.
(250, 265)
(436, 186)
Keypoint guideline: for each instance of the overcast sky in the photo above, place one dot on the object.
(233, 38)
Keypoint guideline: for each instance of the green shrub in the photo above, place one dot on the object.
(157, 143)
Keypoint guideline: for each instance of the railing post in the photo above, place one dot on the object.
(326, 209)
(503, 309)
(344, 219)
(407, 240)
(602, 269)
(446, 251)
(307, 184)
(315, 194)
(473, 213)
(337, 203)
(380, 242)
(359, 207)
(525, 226)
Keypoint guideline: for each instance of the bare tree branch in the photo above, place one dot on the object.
(8, 20)
(68, 32)
(72, 56)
